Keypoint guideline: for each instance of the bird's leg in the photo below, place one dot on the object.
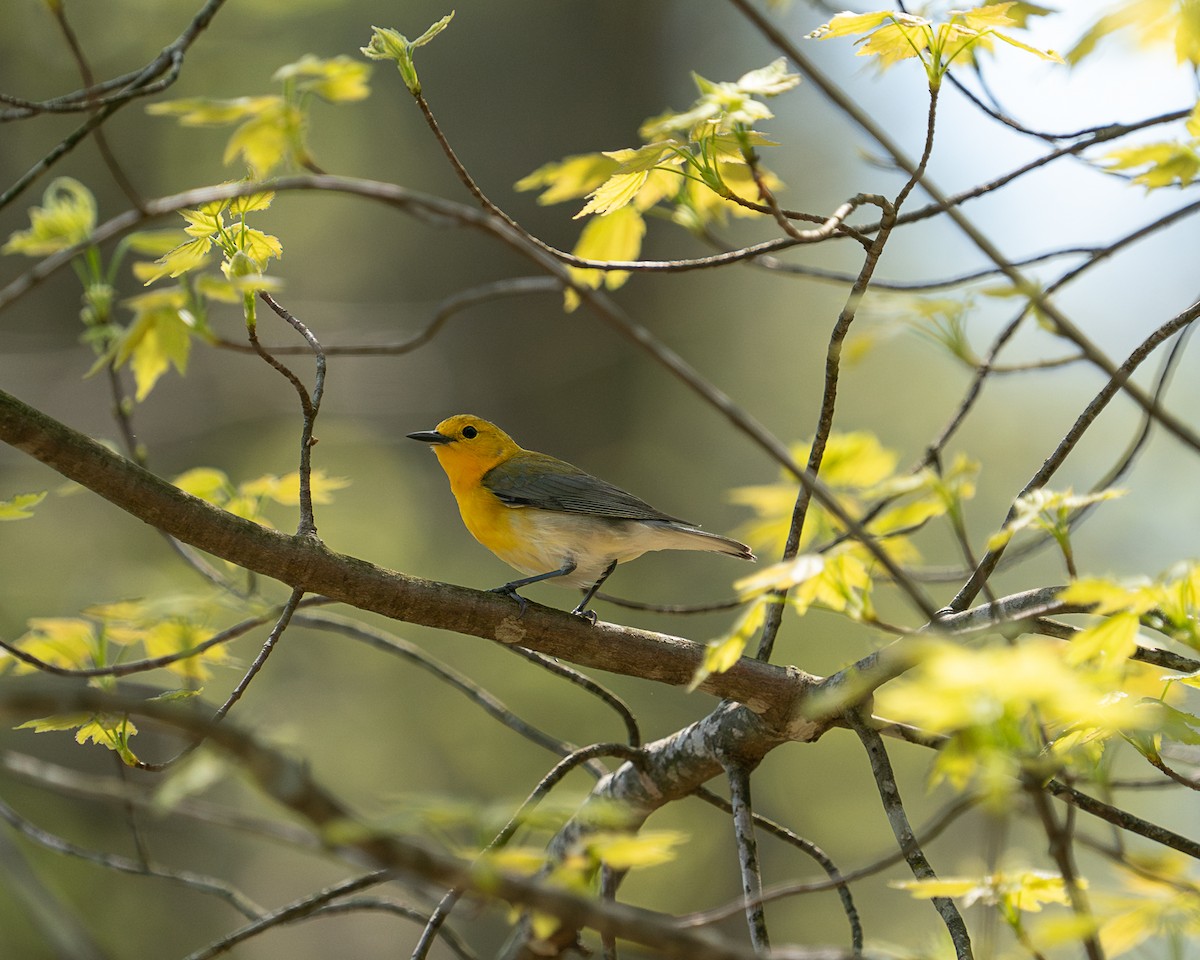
(510, 589)
(590, 615)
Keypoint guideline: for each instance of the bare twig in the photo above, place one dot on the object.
(889, 793)
(194, 881)
(747, 848)
(481, 697)
(582, 756)
(988, 563)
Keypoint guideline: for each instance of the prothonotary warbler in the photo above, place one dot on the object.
(548, 518)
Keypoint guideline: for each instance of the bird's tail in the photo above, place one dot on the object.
(693, 538)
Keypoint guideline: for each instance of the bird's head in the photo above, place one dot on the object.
(468, 446)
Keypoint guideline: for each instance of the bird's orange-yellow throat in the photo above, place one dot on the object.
(550, 519)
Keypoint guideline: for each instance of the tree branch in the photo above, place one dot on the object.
(307, 564)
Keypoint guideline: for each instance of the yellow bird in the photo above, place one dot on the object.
(548, 518)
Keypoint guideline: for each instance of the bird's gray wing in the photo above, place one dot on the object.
(537, 480)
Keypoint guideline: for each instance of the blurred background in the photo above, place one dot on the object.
(514, 86)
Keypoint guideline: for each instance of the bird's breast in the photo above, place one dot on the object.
(537, 541)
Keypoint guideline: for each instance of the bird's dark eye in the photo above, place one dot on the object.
(470, 432)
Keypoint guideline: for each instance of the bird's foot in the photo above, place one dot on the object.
(588, 615)
(508, 590)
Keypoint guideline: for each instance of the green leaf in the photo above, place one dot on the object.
(250, 203)
(66, 217)
(622, 186)
(337, 80)
(202, 112)
(183, 259)
(158, 338)
(20, 506)
(1148, 23)
(723, 652)
(1113, 640)
(768, 81)
(570, 177)
(265, 141)
(389, 44)
(206, 483)
(1180, 726)
(258, 246)
(612, 236)
(624, 851)
(154, 243)
(1162, 164)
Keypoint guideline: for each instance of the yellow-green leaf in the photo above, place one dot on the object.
(66, 217)
(613, 236)
(206, 483)
(768, 81)
(155, 243)
(338, 80)
(69, 642)
(571, 177)
(1148, 23)
(624, 851)
(852, 24)
(265, 141)
(1112, 640)
(21, 506)
(780, 576)
(65, 721)
(159, 338)
(1161, 164)
(251, 202)
(723, 652)
(943, 887)
(389, 44)
(633, 169)
(201, 112)
(1111, 596)
(258, 246)
(183, 259)
(286, 489)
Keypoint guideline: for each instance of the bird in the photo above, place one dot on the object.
(548, 518)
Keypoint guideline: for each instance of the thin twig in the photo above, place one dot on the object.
(837, 339)
(297, 910)
(584, 755)
(281, 624)
(111, 861)
(889, 793)
(747, 849)
(1059, 837)
(480, 696)
(988, 563)
(458, 302)
(310, 407)
(586, 683)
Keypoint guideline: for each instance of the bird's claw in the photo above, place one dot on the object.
(588, 615)
(507, 591)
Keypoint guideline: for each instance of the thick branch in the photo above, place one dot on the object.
(290, 783)
(304, 563)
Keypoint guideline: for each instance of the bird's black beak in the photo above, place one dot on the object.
(430, 436)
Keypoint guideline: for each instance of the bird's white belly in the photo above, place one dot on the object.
(546, 540)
